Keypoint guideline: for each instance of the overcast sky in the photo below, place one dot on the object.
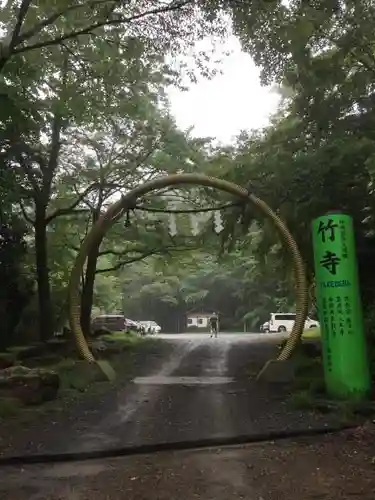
(227, 104)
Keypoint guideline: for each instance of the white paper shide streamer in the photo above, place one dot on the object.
(197, 220)
(194, 223)
(172, 219)
(218, 222)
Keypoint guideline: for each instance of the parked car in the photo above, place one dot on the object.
(283, 322)
(131, 325)
(110, 322)
(265, 327)
(151, 327)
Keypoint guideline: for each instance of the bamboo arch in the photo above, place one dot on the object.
(115, 211)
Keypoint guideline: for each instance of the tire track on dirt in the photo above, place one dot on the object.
(133, 402)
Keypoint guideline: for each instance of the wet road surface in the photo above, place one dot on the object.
(203, 389)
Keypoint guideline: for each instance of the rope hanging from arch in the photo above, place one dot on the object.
(129, 202)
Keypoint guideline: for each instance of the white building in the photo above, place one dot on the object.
(198, 320)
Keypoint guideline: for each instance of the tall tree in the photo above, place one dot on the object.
(33, 26)
(62, 107)
(80, 63)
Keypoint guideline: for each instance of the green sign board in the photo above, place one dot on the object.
(339, 306)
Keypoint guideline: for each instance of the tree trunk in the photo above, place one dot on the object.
(3, 62)
(42, 271)
(87, 297)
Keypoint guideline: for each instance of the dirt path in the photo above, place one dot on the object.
(202, 390)
(329, 468)
(199, 389)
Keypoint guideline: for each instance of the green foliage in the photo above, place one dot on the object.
(84, 119)
(91, 27)
(16, 282)
(317, 155)
(87, 119)
(302, 400)
(78, 375)
(237, 286)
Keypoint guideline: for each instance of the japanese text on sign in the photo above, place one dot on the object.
(339, 306)
(327, 231)
(329, 227)
(330, 261)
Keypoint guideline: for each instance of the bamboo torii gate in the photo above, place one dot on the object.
(127, 202)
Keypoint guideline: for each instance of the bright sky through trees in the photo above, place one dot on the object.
(230, 102)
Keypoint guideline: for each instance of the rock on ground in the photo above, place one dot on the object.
(30, 386)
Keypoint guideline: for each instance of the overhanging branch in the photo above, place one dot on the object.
(54, 17)
(117, 253)
(20, 19)
(127, 261)
(189, 211)
(88, 30)
(71, 209)
(155, 251)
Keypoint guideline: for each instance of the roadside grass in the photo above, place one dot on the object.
(124, 339)
(9, 407)
(308, 385)
(308, 390)
(78, 375)
(311, 333)
(79, 378)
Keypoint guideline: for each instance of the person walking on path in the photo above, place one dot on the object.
(213, 321)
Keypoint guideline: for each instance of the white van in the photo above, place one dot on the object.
(283, 322)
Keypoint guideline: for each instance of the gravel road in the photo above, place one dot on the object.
(202, 388)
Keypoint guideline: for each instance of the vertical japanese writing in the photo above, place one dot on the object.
(338, 296)
(343, 240)
(336, 309)
(330, 261)
(348, 315)
(329, 358)
(340, 315)
(328, 228)
(325, 317)
(327, 309)
(332, 322)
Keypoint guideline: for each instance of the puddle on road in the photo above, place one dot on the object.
(75, 469)
(162, 380)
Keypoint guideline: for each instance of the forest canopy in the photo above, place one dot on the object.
(85, 117)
